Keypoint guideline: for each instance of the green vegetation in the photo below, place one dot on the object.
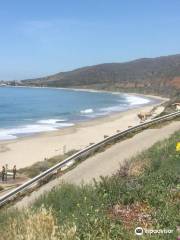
(169, 106)
(39, 167)
(145, 192)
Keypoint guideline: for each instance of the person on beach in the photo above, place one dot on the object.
(6, 172)
(14, 172)
(3, 173)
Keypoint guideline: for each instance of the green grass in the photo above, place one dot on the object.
(148, 187)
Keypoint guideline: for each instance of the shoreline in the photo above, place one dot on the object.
(150, 100)
(28, 150)
(97, 91)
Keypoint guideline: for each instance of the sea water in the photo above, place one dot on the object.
(25, 111)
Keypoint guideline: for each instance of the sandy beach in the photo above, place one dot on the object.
(27, 150)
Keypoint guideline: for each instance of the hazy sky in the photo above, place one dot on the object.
(40, 37)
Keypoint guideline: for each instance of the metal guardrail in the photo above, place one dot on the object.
(11, 195)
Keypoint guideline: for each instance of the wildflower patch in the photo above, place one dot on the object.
(178, 147)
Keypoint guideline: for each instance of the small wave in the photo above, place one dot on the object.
(86, 111)
(51, 121)
(98, 114)
(61, 125)
(135, 100)
(25, 130)
(112, 109)
(13, 133)
(5, 136)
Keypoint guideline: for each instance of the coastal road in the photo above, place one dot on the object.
(108, 162)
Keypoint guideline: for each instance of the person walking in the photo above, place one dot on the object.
(3, 173)
(14, 172)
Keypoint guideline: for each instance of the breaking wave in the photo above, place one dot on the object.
(13, 133)
(135, 100)
(87, 111)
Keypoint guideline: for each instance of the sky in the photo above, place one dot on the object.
(43, 37)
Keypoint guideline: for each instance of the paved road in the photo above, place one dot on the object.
(107, 162)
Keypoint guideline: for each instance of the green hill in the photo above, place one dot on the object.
(159, 75)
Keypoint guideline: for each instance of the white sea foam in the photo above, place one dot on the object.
(98, 114)
(131, 100)
(87, 111)
(13, 133)
(61, 125)
(136, 100)
(51, 121)
(112, 109)
(5, 136)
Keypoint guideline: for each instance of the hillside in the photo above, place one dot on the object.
(143, 193)
(159, 75)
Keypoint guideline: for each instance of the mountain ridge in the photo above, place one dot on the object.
(160, 75)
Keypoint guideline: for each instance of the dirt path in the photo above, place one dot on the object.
(107, 162)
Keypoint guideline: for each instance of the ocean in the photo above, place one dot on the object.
(26, 111)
